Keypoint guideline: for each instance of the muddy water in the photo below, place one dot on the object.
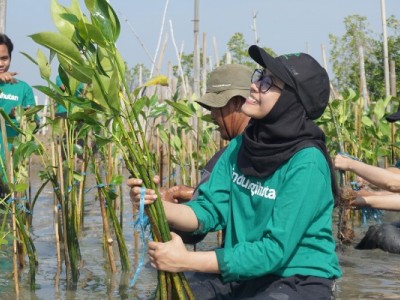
(368, 274)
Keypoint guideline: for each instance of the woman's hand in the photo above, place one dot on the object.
(135, 185)
(169, 256)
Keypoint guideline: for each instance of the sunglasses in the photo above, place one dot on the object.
(264, 82)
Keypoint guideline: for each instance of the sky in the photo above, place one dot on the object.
(285, 26)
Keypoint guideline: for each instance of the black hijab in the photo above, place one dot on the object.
(270, 142)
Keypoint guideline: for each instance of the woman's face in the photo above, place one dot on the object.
(260, 102)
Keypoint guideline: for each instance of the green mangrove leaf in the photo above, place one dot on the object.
(78, 177)
(158, 110)
(25, 150)
(349, 94)
(29, 57)
(65, 27)
(60, 44)
(20, 187)
(100, 18)
(104, 17)
(120, 61)
(176, 142)
(387, 100)
(44, 66)
(207, 118)
(162, 134)
(366, 121)
(85, 117)
(180, 108)
(50, 93)
(31, 111)
(138, 107)
(102, 140)
(111, 194)
(82, 73)
(117, 180)
(89, 32)
(104, 59)
(137, 91)
(44, 175)
(380, 109)
(113, 93)
(385, 129)
(8, 120)
(57, 124)
(100, 86)
(108, 62)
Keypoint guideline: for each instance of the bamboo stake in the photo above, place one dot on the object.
(393, 88)
(254, 27)
(385, 50)
(15, 246)
(179, 60)
(159, 36)
(216, 51)
(204, 63)
(196, 53)
(363, 80)
(121, 192)
(393, 92)
(60, 180)
(80, 200)
(55, 200)
(162, 53)
(106, 230)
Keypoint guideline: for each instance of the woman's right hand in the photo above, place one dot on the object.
(135, 185)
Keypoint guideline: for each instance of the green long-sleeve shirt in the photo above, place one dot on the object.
(278, 225)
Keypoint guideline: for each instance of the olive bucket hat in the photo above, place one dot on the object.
(226, 82)
(302, 73)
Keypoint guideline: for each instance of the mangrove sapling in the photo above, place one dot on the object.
(16, 182)
(358, 132)
(87, 52)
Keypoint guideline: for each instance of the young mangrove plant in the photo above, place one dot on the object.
(86, 50)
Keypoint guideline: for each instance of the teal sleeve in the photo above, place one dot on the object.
(301, 215)
(58, 81)
(212, 205)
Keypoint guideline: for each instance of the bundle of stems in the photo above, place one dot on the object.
(86, 50)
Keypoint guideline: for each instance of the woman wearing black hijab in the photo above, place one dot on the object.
(272, 191)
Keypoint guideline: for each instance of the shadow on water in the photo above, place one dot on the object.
(367, 274)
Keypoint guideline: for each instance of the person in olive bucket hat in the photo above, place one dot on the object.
(272, 191)
(227, 89)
